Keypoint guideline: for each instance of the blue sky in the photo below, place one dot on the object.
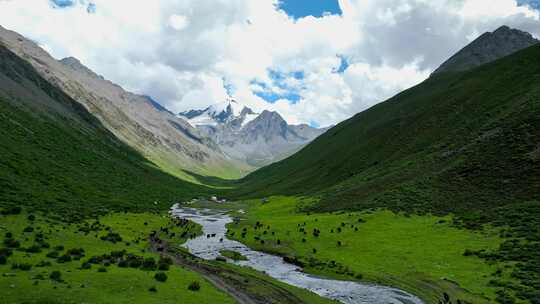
(316, 8)
(532, 3)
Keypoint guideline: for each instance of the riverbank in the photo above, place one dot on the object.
(246, 286)
(214, 241)
(421, 254)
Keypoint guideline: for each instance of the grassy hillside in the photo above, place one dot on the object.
(453, 139)
(465, 144)
(55, 156)
(62, 177)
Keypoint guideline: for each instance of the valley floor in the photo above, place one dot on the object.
(55, 262)
(122, 258)
(420, 254)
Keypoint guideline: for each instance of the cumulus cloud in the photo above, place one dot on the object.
(192, 53)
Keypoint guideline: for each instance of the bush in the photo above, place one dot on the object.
(123, 264)
(22, 266)
(6, 252)
(149, 264)
(12, 243)
(160, 277)
(43, 264)
(102, 269)
(86, 265)
(34, 249)
(112, 237)
(59, 248)
(31, 217)
(163, 267)
(9, 235)
(56, 276)
(194, 286)
(12, 211)
(152, 289)
(3, 260)
(64, 259)
(76, 252)
(28, 229)
(53, 254)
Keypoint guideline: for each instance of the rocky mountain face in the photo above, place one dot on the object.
(488, 47)
(255, 138)
(164, 138)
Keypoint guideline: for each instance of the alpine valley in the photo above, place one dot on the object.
(432, 196)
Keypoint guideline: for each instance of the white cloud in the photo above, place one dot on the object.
(178, 22)
(182, 51)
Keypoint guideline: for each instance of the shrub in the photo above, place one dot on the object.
(64, 258)
(123, 264)
(31, 217)
(86, 265)
(53, 254)
(28, 229)
(3, 260)
(12, 243)
(76, 252)
(102, 269)
(56, 276)
(12, 211)
(9, 235)
(59, 248)
(23, 266)
(135, 263)
(34, 249)
(152, 289)
(194, 286)
(163, 267)
(43, 264)
(6, 252)
(149, 264)
(160, 277)
(112, 237)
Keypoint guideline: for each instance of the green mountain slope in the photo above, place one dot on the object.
(465, 144)
(55, 156)
(457, 142)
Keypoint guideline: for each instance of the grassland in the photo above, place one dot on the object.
(115, 284)
(462, 144)
(421, 254)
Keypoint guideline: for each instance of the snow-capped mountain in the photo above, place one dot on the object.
(220, 113)
(255, 138)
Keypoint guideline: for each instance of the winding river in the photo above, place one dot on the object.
(214, 222)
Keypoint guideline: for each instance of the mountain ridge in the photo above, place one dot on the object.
(255, 138)
(162, 137)
(486, 48)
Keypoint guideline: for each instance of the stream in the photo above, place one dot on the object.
(214, 222)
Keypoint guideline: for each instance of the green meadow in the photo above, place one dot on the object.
(420, 254)
(104, 280)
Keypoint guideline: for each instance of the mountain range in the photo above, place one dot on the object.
(254, 138)
(181, 148)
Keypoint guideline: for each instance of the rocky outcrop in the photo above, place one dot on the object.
(488, 47)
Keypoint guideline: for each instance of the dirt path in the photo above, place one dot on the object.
(244, 288)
